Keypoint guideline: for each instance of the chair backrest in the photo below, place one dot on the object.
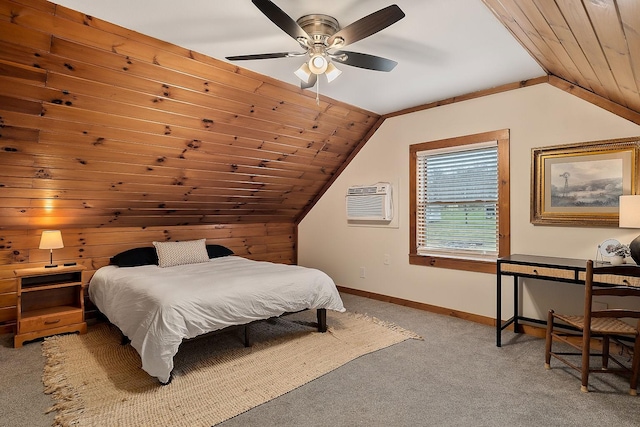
(598, 286)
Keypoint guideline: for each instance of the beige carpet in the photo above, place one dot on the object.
(96, 381)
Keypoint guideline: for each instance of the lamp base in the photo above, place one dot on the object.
(634, 248)
(51, 266)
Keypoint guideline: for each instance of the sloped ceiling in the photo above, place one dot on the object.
(594, 44)
(102, 126)
(444, 48)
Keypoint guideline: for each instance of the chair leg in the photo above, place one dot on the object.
(635, 366)
(605, 352)
(586, 349)
(549, 339)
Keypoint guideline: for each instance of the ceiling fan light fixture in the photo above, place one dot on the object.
(332, 72)
(318, 64)
(303, 73)
(320, 35)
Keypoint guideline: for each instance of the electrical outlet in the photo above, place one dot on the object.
(362, 273)
(387, 259)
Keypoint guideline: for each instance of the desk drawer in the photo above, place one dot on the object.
(50, 321)
(532, 270)
(612, 280)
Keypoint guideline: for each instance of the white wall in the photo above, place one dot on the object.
(537, 116)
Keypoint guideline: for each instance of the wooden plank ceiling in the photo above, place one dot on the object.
(101, 126)
(104, 127)
(593, 44)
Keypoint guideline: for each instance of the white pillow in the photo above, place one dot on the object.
(180, 253)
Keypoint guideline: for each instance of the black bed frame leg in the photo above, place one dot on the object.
(247, 336)
(322, 319)
(124, 340)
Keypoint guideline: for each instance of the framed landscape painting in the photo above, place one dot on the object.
(580, 184)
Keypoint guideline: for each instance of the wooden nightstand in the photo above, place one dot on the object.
(50, 301)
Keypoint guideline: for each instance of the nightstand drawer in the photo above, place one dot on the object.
(50, 321)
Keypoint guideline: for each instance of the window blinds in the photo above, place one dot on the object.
(458, 201)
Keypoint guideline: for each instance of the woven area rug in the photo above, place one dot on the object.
(96, 381)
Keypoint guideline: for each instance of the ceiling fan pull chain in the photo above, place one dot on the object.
(318, 92)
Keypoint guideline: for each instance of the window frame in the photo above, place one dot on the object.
(504, 222)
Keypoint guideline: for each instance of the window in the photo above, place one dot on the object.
(460, 202)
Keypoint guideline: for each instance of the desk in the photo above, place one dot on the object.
(566, 270)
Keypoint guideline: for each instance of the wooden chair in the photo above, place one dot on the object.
(604, 323)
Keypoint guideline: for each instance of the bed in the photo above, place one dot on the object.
(158, 306)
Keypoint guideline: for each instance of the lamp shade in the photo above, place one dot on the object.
(630, 218)
(332, 72)
(51, 239)
(629, 211)
(303, 73)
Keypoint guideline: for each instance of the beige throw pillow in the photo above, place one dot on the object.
(180, 253)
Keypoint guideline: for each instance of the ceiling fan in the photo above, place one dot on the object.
(322, 38)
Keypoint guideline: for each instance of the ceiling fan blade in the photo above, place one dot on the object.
(370, 24)
(282, 20)
(260, 56)
(311, 83)
(363, 60)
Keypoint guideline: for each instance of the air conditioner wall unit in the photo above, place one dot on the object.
(370, 202)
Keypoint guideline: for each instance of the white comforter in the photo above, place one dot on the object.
(156, 308)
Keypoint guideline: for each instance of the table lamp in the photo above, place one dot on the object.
(630, 218)
(51, 239)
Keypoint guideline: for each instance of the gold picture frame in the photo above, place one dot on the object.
(579, 184)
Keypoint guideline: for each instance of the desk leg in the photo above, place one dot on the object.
(516, 300)
(499, 310)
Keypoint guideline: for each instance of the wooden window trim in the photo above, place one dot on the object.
(504, 225)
